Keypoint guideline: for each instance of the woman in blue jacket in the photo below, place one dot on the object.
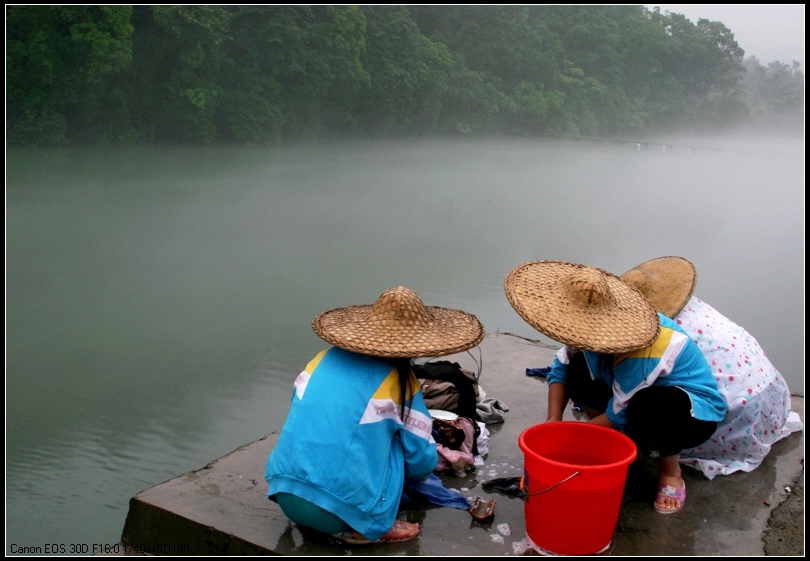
(633, 369)
(358, 425)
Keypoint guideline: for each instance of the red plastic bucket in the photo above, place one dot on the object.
(574, 475)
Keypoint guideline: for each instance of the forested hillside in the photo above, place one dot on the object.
(86, 74)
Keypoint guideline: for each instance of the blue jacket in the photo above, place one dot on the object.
(672, 360)
(344, 446)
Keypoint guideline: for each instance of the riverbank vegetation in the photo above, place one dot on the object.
(185, 74)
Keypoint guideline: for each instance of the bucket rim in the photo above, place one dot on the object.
(612, 433)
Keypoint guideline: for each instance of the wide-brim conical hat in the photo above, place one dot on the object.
(667, 282)
(399, 325)
(584, 307)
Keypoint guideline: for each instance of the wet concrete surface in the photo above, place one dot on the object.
(222, 508)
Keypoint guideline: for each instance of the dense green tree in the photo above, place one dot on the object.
(321, 90)
(472, 102)
(502, 41)
(408, 71)
(264, 74)
(775, 94)
(532, 110)
(264, 48)
(706, 62)
(590, 36)
(611, 55)
(293, 71)
(517, 59)
(60, 61)
(177, 71)
(644, 46)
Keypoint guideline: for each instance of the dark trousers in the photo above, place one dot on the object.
(659, 417)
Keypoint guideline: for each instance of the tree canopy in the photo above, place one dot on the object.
(263, 74)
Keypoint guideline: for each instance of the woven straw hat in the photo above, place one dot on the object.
(581, 306)
(399, 325)
(667, 282)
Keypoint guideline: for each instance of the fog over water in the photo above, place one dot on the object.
(159, 300)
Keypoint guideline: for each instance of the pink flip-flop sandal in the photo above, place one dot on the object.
(670, 492)
(399, 532)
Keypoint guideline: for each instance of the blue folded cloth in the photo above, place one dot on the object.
(433, 491)
(541, 372)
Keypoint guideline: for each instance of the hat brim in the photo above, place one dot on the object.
(624, 322)
(445, 332)
(667, 282)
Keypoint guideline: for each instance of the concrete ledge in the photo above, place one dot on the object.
(222, 508)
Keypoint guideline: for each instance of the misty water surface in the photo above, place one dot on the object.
(159, 300)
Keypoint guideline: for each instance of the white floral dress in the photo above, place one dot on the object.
(757, 395)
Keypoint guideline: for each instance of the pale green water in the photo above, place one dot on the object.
(158, 301)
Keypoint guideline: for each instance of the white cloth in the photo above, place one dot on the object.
(482, 443)
(757, 395)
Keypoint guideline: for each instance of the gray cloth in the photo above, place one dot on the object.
(491, 411)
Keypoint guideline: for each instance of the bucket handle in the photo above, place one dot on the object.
(555, 485)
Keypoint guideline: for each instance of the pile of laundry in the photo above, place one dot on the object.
(461, 412)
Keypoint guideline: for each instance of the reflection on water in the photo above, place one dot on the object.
(158, 301)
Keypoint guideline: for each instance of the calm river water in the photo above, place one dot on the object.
(159, 300)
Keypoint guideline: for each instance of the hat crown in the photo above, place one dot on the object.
(587, 288)
(399, 306)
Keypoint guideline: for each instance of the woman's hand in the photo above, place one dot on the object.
(602, 420)
(557, 400)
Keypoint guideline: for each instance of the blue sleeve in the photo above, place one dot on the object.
(617, 417)
(418, 446)
(559, 368)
